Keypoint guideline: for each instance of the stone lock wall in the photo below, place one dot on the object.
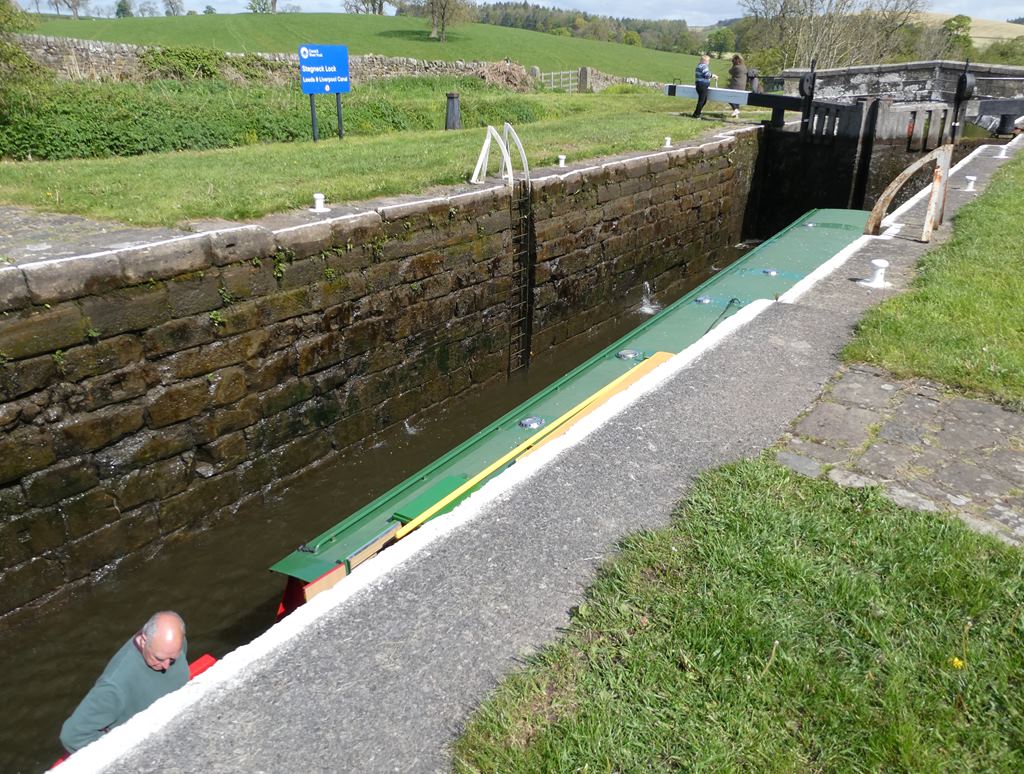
(143, 390)
(146, 390)
(662, 219)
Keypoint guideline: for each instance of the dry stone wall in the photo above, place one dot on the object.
(75, 59)
(147, 390)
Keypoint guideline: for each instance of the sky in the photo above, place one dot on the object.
(697, 13)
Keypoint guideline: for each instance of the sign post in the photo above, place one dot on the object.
(324, 70)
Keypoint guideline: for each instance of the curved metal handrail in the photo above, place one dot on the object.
(942, 156)
(480, 172)
(510, 132)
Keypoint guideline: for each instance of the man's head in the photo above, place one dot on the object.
(161, 639)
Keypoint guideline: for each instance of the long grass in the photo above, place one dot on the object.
(383, 35)
(247, 182)
(779, 624)
(962, 323)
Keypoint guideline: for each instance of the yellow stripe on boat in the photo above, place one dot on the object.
(541, 437)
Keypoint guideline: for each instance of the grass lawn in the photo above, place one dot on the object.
(779, 624)
(383, 35)
(963, 322)
(250, 181)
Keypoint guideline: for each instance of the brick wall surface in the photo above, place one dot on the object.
(146, 390)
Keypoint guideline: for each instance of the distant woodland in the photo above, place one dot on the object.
(774, 35)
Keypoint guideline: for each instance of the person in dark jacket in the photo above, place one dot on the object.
(737, 80)
(702, 80)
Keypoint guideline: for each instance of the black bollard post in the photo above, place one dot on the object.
(312, 115)
(341, 124)
(453, 116)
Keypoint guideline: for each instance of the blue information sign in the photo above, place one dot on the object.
(323, 69)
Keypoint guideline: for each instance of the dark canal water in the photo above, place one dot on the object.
(218, 578)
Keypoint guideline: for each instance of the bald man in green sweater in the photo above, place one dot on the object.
(152, 663)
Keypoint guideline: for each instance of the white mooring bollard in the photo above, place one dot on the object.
(668, 142)
(318, 203)
(561, 160)
(1002, 153)
(878, 278)
(970, 182)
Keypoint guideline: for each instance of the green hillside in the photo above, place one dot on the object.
(384, 35)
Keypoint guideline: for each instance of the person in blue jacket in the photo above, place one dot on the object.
(702, 80)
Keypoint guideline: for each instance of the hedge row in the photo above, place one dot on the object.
(84, 120)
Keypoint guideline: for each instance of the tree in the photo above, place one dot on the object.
(15, 66)
(721, 40)
(209, 10)
(365, 6)
(75, 6)
(174, 7)
(146, 8)
(123, 9)
(631, 38)
(259, 6)
(446, 13)
(1009, 52)
(957, 30)
(837, 33)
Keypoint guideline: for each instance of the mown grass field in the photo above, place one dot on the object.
(246, 182)
(962, 323)
(384, 35)
(779, 624)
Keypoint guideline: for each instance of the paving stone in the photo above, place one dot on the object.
(929, 460)
(902, 432)
(989, 527)
(987, 414)
(912, 500)
(917, 410)
(867, 390)
(1009, 463)
(965, 436)
(805, 466)
(883, 460)
(835, 422)
(969, 480)
(928, 391)
(1011, 517)
(850, 479)
(820, 452)
(933, 491)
